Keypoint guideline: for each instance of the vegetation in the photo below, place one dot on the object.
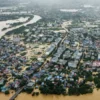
(16, 31)
(24, 82)
(97, 81)
(51, 88)
(82, 89)
(29, 90)
(23, 53)
(7, 92)
(37, 93)
(33, 59)
(4, 29)
(33, 94)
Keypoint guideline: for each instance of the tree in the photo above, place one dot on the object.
(73, 91)
(29, 90)
(37, 93)
(7, 92)
(33, 94)
(90, 78)
(85, 88)
(23, 54)
(24, 82)
(51, 88)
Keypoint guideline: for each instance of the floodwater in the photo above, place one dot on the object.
(24, 96)
(6, 97)
(88, 6)
(34, 20)
(70, 10)
(4, 24)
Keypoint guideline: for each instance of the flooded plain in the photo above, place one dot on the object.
(4, 24)
(25, 96)
(70, 10)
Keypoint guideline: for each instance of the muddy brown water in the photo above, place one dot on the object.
(23, 96)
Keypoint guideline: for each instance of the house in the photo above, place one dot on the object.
(16, 84)
(67, 55)
(1, 82)
(30, 84)
(40, 59)
(4, 89)
(54, 59)
(73, 64)
(99, 56)
(77, 55)
(50, 50)
(57, 41)
(66, 42)
(98, 69)
(62, 62)
(96, 64)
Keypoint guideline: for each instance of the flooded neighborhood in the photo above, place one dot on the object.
(49, 51)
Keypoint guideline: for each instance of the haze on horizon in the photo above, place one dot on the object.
(55, 2)
(67, 2)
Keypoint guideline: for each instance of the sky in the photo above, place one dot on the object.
(52, 2)
(67, 2)
(57, 1)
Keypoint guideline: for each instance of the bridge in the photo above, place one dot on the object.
(16, 94)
